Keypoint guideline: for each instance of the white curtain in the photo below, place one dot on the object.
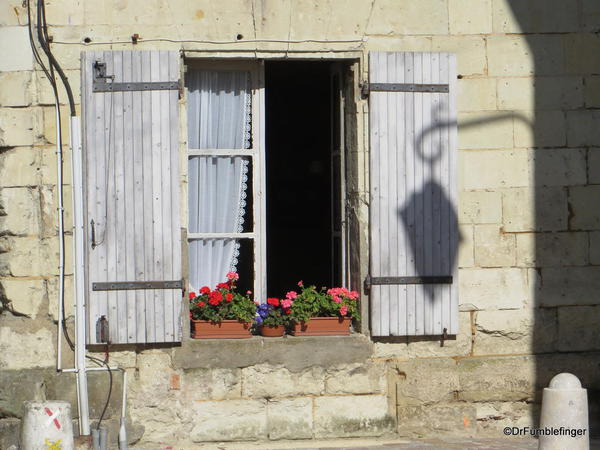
(218, 118)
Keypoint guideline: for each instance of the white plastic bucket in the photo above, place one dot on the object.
(47, 426)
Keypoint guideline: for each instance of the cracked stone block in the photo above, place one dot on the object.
(352, 415)
(268, 381)
(290, 418)
(229, 420)
(366, 378)
(424, 381)
(212, 384)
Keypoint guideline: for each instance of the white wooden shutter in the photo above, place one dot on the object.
(131, 191)
(413, 209)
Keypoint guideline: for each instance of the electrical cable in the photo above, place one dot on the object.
(49, 72)
(110, 382)
(44, 41)
(34, 49)
(198, 41)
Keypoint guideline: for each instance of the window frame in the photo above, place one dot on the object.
(256, 153)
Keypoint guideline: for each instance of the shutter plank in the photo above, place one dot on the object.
(419, 213)
(383, 198)
(175, 196)
(139, 202)
(157, 199)
(98, 161)
(407, 129)
(119, 216)
(409, 226)
(375, 179)
(131, 256)
(148, 197)
(400, 244)
(437, 199)
(392, 189)
(167, 233)
(111, 105)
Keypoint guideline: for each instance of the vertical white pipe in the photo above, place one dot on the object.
(61, 239)
(80, 322)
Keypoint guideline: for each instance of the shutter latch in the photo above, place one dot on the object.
(364, 89)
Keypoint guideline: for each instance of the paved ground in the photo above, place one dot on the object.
(448, 444)
(506, 443)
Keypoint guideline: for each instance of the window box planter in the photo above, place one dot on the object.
(271, 330)
(225, 329)
(323, 326)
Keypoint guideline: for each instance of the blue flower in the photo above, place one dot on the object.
(258, 320)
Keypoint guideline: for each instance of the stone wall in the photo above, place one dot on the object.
(529, 161)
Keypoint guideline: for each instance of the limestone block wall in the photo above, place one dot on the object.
(529, 161)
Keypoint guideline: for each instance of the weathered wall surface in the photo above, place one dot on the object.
(529, 164)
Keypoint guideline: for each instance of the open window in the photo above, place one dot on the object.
(266, 174)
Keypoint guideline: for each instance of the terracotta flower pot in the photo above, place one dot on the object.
(323, 326)
(226, 329)
(271, 330)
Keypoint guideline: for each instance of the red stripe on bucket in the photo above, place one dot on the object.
(56, 422)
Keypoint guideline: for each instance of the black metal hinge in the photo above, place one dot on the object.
(129, 285)
(101, 83)
(105, 86)
(436, 279)
(367, 88)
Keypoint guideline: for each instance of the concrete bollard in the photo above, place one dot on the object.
(47, 425)
(564, 421)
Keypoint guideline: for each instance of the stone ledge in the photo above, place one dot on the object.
(293, 352)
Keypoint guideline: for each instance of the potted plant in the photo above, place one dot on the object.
(273, 317)
(222, 312)
(323, 312)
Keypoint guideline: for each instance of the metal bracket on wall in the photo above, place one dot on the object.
(129, 285)
(371, 281)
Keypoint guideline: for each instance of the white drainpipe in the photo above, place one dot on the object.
(80, 322)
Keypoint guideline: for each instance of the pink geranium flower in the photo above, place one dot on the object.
(232, 276)
(286, 303)
(343, 310)
(291, 295)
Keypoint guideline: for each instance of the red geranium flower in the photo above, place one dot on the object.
(192, 295)
(273, 301)
(229, 297)
(201, 304)
(215, 298)
(205, 290)
(222, 286)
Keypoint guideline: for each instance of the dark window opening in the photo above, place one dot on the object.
(303, 175)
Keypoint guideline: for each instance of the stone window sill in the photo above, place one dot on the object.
(293, 352)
